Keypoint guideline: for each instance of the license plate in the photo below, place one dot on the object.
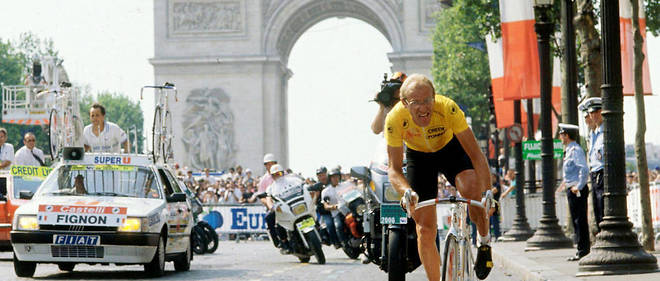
(86, 240)
(392, 214)
(306, 225)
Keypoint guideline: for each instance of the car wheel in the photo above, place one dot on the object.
(182, 263)
(24, 268)
(156, 267)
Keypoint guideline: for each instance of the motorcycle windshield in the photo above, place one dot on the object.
(348, 191)
(291, 193)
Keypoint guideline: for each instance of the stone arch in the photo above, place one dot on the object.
(242, 47)
(292, 18)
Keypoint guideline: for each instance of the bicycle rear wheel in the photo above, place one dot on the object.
(450, 259)
(156, 134)
(167, 138)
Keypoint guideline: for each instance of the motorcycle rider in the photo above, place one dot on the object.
(267, 180)
(280, 183)
(331, 203)
(324, 215)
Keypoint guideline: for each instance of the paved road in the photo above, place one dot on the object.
(252, 260)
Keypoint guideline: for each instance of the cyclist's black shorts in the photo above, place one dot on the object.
(423, 168)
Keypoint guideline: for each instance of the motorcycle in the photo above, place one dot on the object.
(295, 211)
(390, 237)
(352, 207)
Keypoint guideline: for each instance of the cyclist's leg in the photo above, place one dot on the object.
(422, 174)
(427, 228)
(466, 183)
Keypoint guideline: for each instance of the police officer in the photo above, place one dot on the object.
(596, 164)
(575, 182)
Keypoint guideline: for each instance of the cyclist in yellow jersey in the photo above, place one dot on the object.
(438, 140)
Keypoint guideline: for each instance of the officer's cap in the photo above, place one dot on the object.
(591, 104)
(566, 128)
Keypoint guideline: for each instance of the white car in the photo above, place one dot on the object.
(104, 208)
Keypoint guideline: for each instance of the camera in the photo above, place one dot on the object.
(386, 96)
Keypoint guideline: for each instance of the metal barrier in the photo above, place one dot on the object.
(534, 208)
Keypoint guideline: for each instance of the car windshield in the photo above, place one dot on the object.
(102, 180)
(25, 183)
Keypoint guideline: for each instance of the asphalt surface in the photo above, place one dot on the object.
(247, 260)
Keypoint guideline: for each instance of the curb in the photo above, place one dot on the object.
(525, 268)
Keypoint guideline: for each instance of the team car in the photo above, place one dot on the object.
(102, 209)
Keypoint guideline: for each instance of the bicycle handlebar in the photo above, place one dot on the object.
(166, 86)
(454, 199)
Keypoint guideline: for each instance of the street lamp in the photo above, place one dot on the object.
(616, 250)
(520, 230)
(548, 235)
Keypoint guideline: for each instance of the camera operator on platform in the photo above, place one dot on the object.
(386, 99)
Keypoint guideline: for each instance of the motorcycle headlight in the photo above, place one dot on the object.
(360, 209)
(391, 194)
(131, 225)
(299, 209)
(27, 223)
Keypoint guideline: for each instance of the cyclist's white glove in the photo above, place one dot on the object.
(409, 198)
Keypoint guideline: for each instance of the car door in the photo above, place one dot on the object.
(177, 214)
(5, 220)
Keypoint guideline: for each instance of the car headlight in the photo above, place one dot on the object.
(131, 225)
(27, 223)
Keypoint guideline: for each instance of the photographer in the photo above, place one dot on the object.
(386, 99)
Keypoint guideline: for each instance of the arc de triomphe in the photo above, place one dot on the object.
(228, 59)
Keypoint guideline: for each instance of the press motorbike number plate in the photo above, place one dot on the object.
(392, 214)
(306, 225)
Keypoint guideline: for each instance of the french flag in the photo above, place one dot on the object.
(627, 42)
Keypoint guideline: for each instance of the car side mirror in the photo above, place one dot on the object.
(25, 194)
(176, 197)
(361, 172)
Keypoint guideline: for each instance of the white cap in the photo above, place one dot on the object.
(248, 170)
(276, 168)
(269, 157)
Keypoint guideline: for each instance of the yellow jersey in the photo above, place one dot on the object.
(447, 119)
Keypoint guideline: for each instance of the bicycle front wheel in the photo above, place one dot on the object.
(156, 134)
(450, 259)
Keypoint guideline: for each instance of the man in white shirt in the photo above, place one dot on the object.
(280, 183)
(330, 200)
(29, 155)
(210, 180)
(6, 151)
(104, 136)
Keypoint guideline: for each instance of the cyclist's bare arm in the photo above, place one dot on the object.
(395, 169)
(469, 144)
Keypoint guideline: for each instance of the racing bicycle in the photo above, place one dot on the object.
(457, 260)
(162, 128)
(65, 125)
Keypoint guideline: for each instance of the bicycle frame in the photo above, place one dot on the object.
(161, 131)
(460, 231)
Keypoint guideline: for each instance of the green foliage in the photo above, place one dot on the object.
(652, 9)
(15, 62)
(120, 110)
(459, 71)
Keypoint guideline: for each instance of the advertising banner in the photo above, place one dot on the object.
(236, 218)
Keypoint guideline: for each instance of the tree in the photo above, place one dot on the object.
(15, 62)
(460, 68)
(648, 242)
(120, 110)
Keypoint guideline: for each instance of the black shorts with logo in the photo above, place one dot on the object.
(423, 168)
